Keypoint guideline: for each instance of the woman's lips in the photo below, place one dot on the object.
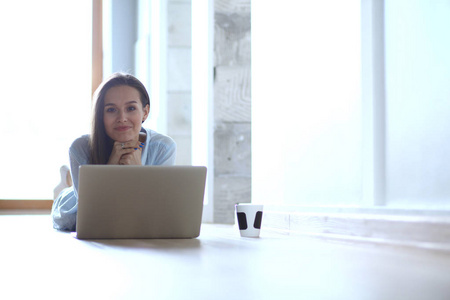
(122, 128)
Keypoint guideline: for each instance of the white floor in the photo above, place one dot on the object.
(39, 262)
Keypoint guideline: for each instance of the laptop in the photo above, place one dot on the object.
(140, 202)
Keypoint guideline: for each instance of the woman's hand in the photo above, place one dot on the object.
(128, 153)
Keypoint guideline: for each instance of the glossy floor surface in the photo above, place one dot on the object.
(39, 262)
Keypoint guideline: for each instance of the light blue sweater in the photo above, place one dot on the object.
(158, 150)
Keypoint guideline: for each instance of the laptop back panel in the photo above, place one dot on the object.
(140, 201)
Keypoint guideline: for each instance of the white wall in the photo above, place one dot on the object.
(308, 133)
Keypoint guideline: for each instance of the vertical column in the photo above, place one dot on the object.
(202, 96)
(179, 74)
(119, 36)
(151, 58)
(373, 102)
(97, 44)
(158, 64)
(232, 107)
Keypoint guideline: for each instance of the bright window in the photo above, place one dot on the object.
(355, 97)
(46, 90)
(306, 106)
(417, 103)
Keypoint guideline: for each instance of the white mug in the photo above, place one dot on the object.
(249, 218)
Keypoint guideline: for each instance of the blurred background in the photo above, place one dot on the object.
(291, 104)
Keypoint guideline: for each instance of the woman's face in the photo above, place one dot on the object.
(123, 113)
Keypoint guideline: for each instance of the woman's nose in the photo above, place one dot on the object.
(122, 117)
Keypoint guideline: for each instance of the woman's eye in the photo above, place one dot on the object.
(131, 108)
(110, 110)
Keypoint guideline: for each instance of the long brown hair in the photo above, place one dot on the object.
(100, 143)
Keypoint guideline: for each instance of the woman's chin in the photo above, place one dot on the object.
(125, 138)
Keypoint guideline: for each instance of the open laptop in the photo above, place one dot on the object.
(140, 201)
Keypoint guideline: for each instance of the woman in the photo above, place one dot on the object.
(121, 105)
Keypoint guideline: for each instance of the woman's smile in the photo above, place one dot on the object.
(122, 128)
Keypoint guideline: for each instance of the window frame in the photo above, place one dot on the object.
(97, 77)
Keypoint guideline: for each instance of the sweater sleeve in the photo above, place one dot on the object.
(166, 153)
